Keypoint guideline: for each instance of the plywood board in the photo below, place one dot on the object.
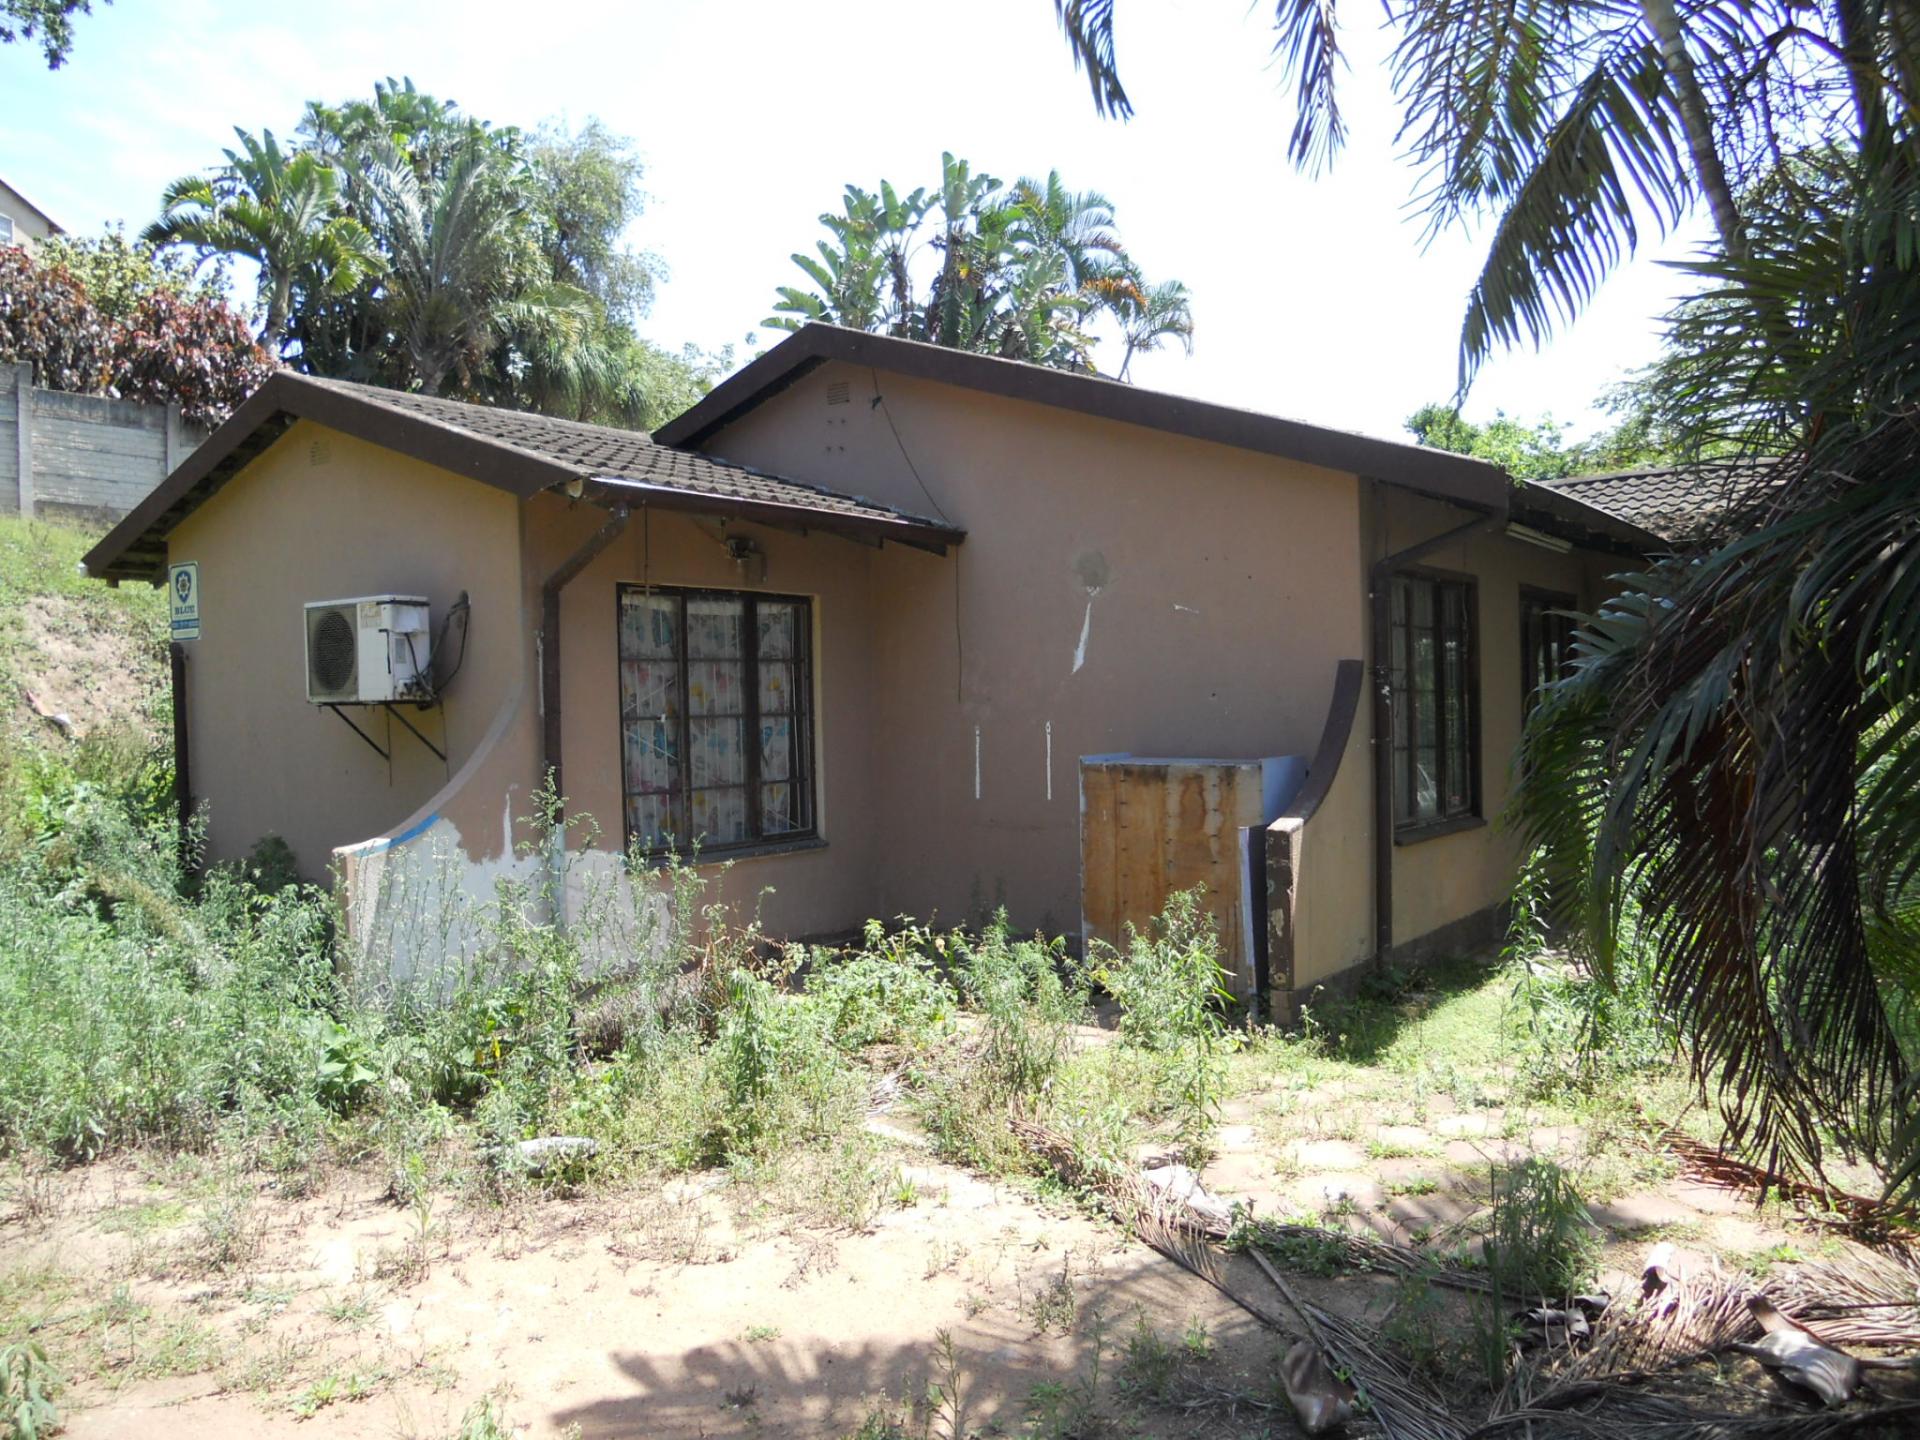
(1152, 828)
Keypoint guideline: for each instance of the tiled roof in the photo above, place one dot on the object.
(600, 452)
(511, 450)
(1676, 502)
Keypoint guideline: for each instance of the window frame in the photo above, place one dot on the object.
(1536, 605)
(10, 235)
(757, 841)
(1408, 829)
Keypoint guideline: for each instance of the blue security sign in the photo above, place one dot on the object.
(183, 600)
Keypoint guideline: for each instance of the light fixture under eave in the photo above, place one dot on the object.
(1538, 537)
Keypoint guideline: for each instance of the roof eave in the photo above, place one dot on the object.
(1558, 513)
(902, 530)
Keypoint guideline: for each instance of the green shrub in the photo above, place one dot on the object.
(1168, 981)
(890, 992)
(1542, 1244)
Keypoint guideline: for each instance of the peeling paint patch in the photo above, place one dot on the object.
(1080, 650)
(1185, 609)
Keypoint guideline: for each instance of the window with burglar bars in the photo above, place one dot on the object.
(1546, 642)
(1435, 761)
(716, 718)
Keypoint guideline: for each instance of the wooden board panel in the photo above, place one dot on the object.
(1150, 829)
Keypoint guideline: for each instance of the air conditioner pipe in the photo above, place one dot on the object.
(1380, 593)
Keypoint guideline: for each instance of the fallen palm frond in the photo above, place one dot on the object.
(1640, 1377)
(1865, 1297)
(1623, 1413)
(1856, 1214)
(1180, 1230)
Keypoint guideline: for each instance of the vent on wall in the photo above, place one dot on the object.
(839, 392)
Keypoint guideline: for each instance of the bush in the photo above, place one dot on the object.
(891, 992)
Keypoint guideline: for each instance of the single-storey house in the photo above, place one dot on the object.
(888, 628)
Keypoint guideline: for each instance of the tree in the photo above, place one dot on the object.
(1022, 272)
(1526, 452)
(50, 20)
(281, 210)
(1736, 757)
(159, 338)
(493, 265)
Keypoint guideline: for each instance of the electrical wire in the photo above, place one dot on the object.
(879, 402)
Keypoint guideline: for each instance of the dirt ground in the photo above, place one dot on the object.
(698, 1310)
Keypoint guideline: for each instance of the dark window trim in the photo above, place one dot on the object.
(1411, 831)
(756, 843)
(1546, 600)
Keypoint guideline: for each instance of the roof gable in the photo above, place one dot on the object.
(510, 450)
(1439, 473)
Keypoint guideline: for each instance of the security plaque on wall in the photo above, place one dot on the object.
(183, 600)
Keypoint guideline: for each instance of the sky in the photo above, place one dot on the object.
(1317, 298)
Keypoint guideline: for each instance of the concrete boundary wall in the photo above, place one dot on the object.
(82, 456)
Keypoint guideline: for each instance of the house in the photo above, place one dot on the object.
(890, 629)
(22, 222)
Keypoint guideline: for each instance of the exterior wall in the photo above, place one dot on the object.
(1120, 590)
(817, 890)
(83, 456)
(1446, 879)
(29, 225)
(322, 516)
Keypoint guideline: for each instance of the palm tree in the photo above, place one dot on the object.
(1148, 314)
(1075, 224)
(280, 210)
(1736, 760)
(465, 270)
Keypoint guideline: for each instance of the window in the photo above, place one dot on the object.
(1546, 641)
(6, 229)
(716, 718)
(1435, 730)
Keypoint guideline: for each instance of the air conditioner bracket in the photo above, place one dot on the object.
(374, 745)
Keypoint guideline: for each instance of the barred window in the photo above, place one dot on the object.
(716, 718)
(1546, 641)
(1435, 760)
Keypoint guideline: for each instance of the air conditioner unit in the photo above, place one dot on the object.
(369, 650)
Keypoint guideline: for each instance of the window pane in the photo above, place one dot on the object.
(716, 687)
(720, 816)
(777, 628)
(649, 689)
(717, 752)
(778, 812)
(649, 625)
(649, 758)
(777, 685)
(714, 625)
(654, 822)
(776, 747)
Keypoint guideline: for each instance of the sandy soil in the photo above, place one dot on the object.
(91, 674)
(700, 1310)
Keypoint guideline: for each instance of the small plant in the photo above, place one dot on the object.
(1149, 1365)
(1053, 1307)
(762, 1334)
(1542, 1243)
(28, 1386)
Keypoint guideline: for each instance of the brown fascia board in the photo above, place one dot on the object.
(1559, 513)
(1439, 473)
(491, 462)
(906, 530)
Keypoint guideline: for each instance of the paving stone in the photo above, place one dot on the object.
(1468, 1123)
(1328, 1155)
(1404, 1137)
(1643, 1211)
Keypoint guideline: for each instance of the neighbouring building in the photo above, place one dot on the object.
(22, 222)
(892, 630)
